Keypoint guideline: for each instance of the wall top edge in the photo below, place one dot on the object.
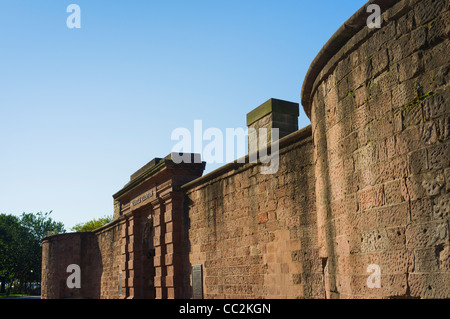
(297, 136)
(353, 25)
(67, 235)
(272, 105)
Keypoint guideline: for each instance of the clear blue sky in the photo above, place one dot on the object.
(83, 109)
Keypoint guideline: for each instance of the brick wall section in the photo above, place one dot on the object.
(380, 113)
(97, 254)
(256, 234)
(109, 246)
(60, 251)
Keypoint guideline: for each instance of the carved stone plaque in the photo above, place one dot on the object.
(120, 283)
(197, 282)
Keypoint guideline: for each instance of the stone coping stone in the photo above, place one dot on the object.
(273, 106)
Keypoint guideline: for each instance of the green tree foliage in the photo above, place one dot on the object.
(21, 247)
(41, 225)
(92, 224)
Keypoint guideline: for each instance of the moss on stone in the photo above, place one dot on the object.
(418, 100)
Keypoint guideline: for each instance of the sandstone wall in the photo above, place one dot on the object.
(367, 184)
(109, 244)
(96, 253)
(142, 254)
(379, 106)
(60, 251)
(256, 234)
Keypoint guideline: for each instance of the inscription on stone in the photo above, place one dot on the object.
(143, 198)
(197, 282)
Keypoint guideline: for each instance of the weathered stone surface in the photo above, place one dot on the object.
(401, 159)
(367, 184)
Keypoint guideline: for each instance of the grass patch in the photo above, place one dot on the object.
(4, 295)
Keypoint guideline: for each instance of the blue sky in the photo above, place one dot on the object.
(83, 109)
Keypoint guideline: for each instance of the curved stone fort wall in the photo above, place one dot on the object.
(360, 197)
(379, 106)
(61, 251)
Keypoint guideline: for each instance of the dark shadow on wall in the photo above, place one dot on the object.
(147, 257)
(303, 194)
(91, 266)
(77, 249)
(325, 213)
(187, 266)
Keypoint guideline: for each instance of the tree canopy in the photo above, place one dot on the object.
(21, 246)
(92, 224)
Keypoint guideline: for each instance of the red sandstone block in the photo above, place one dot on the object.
(170, 248)
(371, 197)
(262, 218)
(156, 219)
(158, 251)
(417, 162)
(399, 261)
(169, 281)
(159, 293)
(391, 285)
(362, 222)
(398, 122)
(157, 261)
(421, 210)
(436, 105)
(427, 234)
(410, 67)
(156, 241)
(361, 117)
(431, 285)
(393, 193)
(130, 283)
(123, 265)
(158, 271)
(443, 127)
(432, 259)
(342, 226)
(169, 227)
(439, 156)
(362, 179)
(168, 216)
(390, 148)
(342, 245)
(403, 93)
(123, 249)
(429, 9)
(130, 293)
(432, 183)
(171, 293)
(408, 140)
(441, 207)
(412, 188)
(397, 215)
(158, 281)
(396, 285)
(168, 239)
(130, 247)
(172, 259)
(158, 231)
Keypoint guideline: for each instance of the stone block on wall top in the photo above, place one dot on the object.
(274, 114)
